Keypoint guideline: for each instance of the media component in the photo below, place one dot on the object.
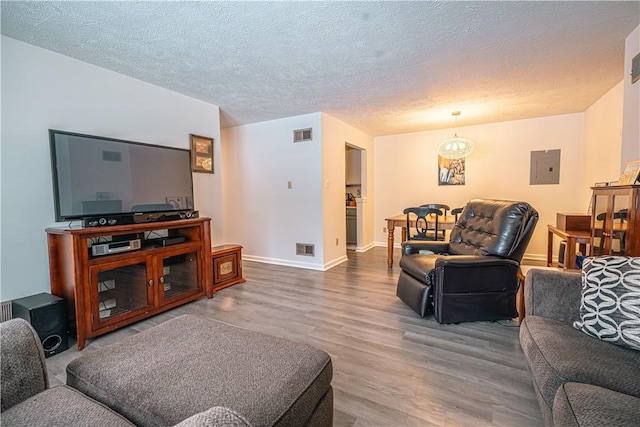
(115, 247)
(47, 314)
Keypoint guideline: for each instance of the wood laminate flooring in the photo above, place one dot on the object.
(391, 368)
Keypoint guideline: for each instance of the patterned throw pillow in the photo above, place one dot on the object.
(610, 303)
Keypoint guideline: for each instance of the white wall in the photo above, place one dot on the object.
(42, 90)
(631, 118)
(266, 217)
(406, 170)
(261, 213)
(602, 143)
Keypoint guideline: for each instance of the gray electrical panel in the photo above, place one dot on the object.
(545, 167)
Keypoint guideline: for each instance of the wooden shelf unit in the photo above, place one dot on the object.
(107, 292)
(615, 220)
(227, 266)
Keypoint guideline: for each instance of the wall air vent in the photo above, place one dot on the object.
(6, 311)
(302, 135)
(305, 249)
(112, 156)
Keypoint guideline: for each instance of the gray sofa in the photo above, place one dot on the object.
(187, 371)
(579, 380)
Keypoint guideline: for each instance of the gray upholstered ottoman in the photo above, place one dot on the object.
(189, 364)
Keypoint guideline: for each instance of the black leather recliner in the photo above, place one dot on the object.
(473, 276)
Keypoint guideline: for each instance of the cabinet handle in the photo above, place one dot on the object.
(161, 279)
(150, 282)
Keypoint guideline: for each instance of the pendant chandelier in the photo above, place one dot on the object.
(456, 147)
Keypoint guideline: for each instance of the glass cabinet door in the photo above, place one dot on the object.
(598, 231)
(179, 277)
(618, 230)
(610, 222)
(119, 292)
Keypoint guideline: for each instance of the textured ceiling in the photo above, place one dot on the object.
(382, 67)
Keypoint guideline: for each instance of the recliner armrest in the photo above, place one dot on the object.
(474, 261)
(415, 246)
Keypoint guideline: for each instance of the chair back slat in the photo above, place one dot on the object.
(440, 207)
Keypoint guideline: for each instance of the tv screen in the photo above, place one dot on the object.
(95, 176)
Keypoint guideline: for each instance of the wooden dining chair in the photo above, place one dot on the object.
(421, 229)
(455, 212)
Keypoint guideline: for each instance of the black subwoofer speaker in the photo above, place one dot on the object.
(47, 314)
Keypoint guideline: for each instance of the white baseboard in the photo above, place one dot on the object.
(535, 259)
(297, 264)
(285, 262)
(365, 248)
(335, 262)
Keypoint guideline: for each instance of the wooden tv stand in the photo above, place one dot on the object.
(107, 292)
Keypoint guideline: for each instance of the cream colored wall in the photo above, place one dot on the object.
(602, 142)
(406, 170)
(333, 184)
(335, 134)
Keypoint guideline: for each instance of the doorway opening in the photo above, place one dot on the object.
(355, 189)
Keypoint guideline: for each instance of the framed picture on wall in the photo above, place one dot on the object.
(451, 171)
(201, 153)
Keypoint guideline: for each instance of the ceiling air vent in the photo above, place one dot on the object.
(305, 249)
(302, 135)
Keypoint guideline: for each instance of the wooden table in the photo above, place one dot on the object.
(445, 223)
(572, 237)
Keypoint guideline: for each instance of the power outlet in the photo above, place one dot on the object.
(337, 241)
(384, 229)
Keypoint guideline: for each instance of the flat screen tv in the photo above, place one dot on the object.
(96, 176)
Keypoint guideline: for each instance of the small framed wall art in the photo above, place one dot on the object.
(201, 153)
(451, 171)
(630, 174)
